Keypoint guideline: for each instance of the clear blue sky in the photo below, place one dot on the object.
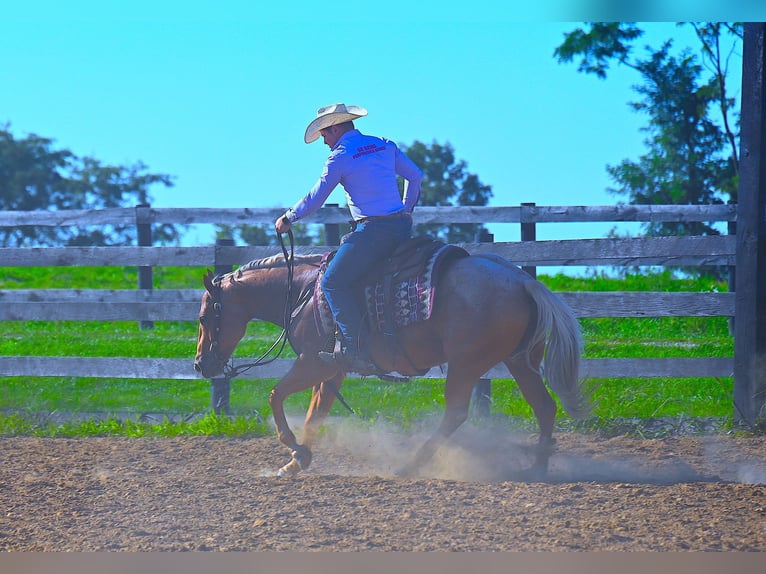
(218, 94)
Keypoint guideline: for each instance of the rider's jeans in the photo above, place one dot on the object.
(361, 250)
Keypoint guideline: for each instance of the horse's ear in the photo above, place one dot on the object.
(207, 280)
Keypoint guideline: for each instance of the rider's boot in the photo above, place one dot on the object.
(350, 359)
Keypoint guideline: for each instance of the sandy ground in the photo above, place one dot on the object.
(214, 494)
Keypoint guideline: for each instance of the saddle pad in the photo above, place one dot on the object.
(392, 303)
(409, 300)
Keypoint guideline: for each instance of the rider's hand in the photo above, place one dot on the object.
(282, 224)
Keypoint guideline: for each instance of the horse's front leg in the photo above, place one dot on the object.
(301, 376)
(322, 398)
(301, 455)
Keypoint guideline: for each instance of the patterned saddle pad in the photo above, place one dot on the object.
(400, 294)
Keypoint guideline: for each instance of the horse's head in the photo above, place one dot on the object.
(220, 329)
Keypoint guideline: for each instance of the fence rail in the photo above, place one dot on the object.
(184, 304)
(180, 369)
(673, 251)
(156, 304)
(526, 213)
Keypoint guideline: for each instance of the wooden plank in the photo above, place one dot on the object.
(184, 304)
(248, 215)
(91, 296)
(209, 256)
(101, 295)
(675, 368)
(649, 304)
(645, 213)
(182, 369)
(707, 250)
(75, 311)
(106, 256)
(120, 368)
(466, 214)
(69, 217)
(695, 250)
(422, 214)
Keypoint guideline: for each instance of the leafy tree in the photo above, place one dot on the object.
(447, 182)
(34, 175)
(264, 234)
(691, 157)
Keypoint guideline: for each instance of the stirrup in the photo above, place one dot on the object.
(327, 357)
(353, 363)
(335, 356)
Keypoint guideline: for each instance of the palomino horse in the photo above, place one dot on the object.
(485, 311)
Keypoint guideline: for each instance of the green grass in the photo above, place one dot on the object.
(209, 424)
(24, 399)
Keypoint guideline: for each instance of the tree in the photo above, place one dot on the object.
(447, 182)
(687, 161)
(264, 234)
(34, 175)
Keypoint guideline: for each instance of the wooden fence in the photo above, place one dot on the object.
(148, 304)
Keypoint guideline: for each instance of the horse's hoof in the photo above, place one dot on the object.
(302, 456)
(547, 448)
(289, 470)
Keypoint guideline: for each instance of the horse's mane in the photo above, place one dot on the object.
(272, 262)
(279, 261)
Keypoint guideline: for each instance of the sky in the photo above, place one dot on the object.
(218, 93)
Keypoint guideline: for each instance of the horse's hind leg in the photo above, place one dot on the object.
(457, 398)
(525, 370)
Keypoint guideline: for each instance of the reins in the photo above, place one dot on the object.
(229, 370)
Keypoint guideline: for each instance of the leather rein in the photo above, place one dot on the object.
(229, 370)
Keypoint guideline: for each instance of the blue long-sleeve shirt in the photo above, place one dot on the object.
(366, 167)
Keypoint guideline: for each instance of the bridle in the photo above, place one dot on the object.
(229, 370)
(215, 328)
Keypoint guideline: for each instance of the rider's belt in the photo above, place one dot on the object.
(380, 217)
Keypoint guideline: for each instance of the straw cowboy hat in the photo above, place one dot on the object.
(332, 115)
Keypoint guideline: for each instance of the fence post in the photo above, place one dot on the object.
(750, 296)
(144, 239)
(332, 230)
(528, 233)
(220, 392)
(481, 395)
(732, 230)
(220, 388)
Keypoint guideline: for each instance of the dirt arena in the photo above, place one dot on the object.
(683, 493)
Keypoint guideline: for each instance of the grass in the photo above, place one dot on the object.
(27, 400)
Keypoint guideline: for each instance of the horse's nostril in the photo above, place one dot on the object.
(197, 367)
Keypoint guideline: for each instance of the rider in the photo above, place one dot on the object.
(366, 167)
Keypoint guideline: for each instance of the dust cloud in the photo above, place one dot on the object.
(495, 452)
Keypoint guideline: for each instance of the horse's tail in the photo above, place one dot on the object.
(558, 327)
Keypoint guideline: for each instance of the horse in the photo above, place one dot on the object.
(485, 311)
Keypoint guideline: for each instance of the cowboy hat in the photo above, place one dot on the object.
(332, 115)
